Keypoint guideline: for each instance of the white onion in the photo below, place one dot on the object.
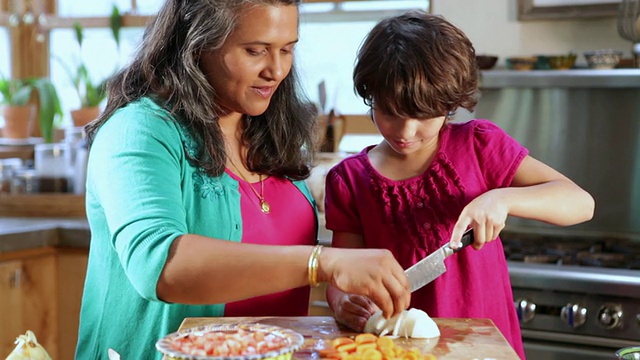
(413, 323)
(28, 348)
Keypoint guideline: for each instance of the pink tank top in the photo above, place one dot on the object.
(291, 221)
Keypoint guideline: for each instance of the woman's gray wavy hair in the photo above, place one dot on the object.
(166, 68)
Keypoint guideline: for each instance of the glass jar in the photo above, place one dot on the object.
(25, 181)
(76, 138)
(8, 169)
(54, 167)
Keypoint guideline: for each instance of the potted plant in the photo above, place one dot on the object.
(90, 93)
(19, 113)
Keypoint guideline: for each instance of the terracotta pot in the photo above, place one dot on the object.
(18, 121)
(83, 116)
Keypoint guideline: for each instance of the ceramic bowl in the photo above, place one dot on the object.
(562, 62)
(189, 344)
(542, 63)
(522, 63)
(603, 59)
(486, 62)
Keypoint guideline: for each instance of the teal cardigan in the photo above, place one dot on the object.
(142, 193)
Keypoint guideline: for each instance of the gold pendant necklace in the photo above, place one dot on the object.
(264, 205)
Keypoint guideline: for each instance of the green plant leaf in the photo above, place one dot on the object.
(89, 93)
(78, 31)
(5, 90)
(82, 75)
(22, 95)
(49, 107)
(70, 73)
(15, 92)
(116, 24)
(95, 93)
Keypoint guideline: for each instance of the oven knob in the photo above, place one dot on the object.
(574, 315)
(610, 316)
(526, 310)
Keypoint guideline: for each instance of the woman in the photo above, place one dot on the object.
(195, 191)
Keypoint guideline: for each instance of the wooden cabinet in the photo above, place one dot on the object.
(10, 322)
(41, 291)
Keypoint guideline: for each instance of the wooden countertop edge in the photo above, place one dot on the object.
(186, 321)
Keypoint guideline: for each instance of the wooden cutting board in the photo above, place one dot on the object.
(459, 338)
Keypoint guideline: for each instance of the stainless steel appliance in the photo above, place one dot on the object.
(577, 289)
(576, 296)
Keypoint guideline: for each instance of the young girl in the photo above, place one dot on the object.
(430, 180)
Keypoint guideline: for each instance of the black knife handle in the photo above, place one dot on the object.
(467, 239)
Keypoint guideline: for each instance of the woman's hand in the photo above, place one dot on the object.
(353, 311)
(373, 273)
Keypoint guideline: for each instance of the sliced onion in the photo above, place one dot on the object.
(413, 323)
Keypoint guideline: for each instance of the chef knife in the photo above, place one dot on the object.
(432, 266)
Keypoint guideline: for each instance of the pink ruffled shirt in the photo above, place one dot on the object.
(414, 217)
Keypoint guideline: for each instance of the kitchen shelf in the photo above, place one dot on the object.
(574, 78)
(43, 205)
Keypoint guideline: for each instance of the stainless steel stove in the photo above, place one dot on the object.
(577, 297)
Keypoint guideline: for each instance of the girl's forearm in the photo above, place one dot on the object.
(558, 202)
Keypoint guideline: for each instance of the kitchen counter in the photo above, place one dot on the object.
(28, 233)
(574, 78)
(460, 338)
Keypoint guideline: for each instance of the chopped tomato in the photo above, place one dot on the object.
(225, 343)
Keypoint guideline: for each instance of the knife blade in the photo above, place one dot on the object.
(432, 266)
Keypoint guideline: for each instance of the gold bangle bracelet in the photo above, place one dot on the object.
(312, 267)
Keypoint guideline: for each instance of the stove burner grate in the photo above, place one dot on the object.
(558, 250)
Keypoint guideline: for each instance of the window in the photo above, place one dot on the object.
(5, 66)
(75, 8)
(99, 53)
(319, 56)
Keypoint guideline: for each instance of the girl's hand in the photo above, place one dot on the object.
(486, 214)
(353, 311)
(373, 273)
